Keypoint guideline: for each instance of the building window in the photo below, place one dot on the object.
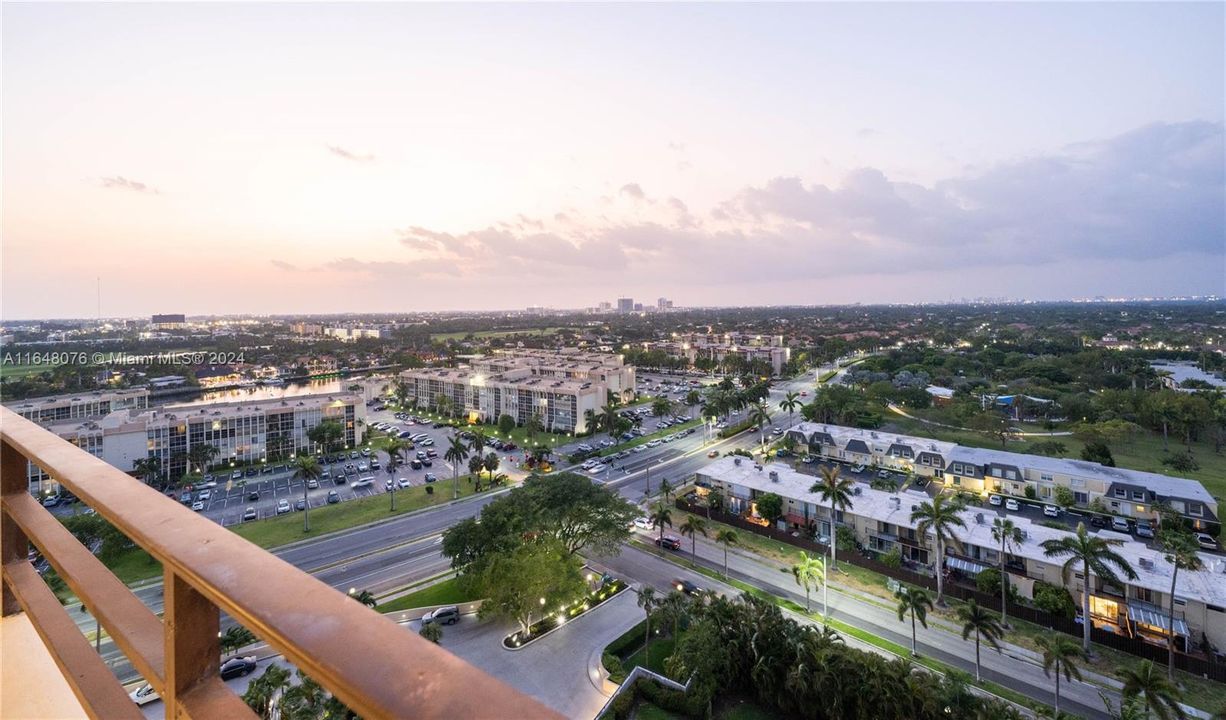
(1044, 477)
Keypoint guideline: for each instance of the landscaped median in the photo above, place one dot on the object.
(134, 564)
(447, 592)
(663, 432)
(539, 629)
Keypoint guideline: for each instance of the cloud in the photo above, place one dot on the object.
(633, 191)
(119, 182)
(282, 265)
(350, 155)
(1148, 195)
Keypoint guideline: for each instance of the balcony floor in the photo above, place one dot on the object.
(31, 685)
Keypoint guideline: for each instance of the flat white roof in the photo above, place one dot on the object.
(1208, 585)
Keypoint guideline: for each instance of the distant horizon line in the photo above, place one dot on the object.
(544, 310)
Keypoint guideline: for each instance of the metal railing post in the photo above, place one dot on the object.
(193, 648)
(13, 542)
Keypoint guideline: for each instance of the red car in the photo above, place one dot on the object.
(669, 542)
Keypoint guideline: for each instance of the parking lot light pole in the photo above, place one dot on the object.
(391, 478)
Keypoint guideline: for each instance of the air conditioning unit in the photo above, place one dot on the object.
(736, 461)
(856, 490)
(774, 476)
(979, 518)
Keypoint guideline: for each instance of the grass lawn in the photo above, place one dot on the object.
(447, 592)
(653, 656)
(1144, 453)
(351, 513)
(741, 709)
(136, 564)
(646, 711)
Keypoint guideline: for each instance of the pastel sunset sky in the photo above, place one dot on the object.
(279, 158)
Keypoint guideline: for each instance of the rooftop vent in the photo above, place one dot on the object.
(856, 490)
(979, 518)
(736, 461)
(895, 503)
(757, 466)
(774, 476)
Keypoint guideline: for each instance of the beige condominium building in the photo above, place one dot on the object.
(60, 408)
(881, 521)
(559, 387)
(715, 346)
(242, 432)
(983, 471)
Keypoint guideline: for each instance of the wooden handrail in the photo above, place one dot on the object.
(376, 667)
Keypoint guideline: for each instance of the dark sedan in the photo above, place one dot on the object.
(237, 667)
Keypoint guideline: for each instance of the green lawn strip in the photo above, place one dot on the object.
(287, 528)
(646, 711)
(824, 377)
(447, 592)
(858, 633)
(649, 437)
(746, 710)
(135, 564)
(653, 656)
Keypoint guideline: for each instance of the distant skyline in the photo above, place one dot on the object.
(329, 158)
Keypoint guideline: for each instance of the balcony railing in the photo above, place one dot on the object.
(374, 666)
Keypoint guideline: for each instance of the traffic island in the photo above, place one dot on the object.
(549, 623)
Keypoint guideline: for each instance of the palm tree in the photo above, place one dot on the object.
(478, 442)
(1008, 535)
(790, 404)
(262, 691)
(940, 516)
(837, 491)
(759, 415)
(666, 489)
(661, 517)
(306, 468)
(1159, 695)
(977, 620)
(1180, 547)
(915, 601)
(675, 606)
(1094, 555)
(148, 468)
(396, 450)
(365, 597)
(649, 602)
(608, 417)
(1131, 708)
(457, 452)
(491, 463)
(694, 526)
(235, 637)
(201, 455)
(1059, 652)
(726, 538)
(808, 572)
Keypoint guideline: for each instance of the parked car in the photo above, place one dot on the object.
(300, 505)
(669, 542)
(198, 506)
(449, 615)
(366, 481)
(857, 468)
(51, 501)
(1051, 511)
(250, 514)
(185, 498)
(282, 506)
(1098, 521)
(402, 483)
(313, 484)
(415, 464)
(1012, 505)
(1144, 529)
(253, 495)
(643, 523)
(237, 667)
(333, 497)
(995, 500)
(144, 695)
(1206, 541)
(1120, 524)
(713, 454)
(430, 477)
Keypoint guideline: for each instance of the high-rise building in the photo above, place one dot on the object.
(625, 305)
(168, 322)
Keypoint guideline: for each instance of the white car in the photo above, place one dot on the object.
(639, 448)
(1011, 504)
(283, 507)
(205, 495)
(653, 444)
(642, 523)
(403, 483)
(197, 506)
(360, 482)
(1051, 511)
(144, 695)
(1206, 541)
(995, 500)
(597, 468)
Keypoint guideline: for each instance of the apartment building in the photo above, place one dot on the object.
(558, 386)
(1117, 491)
(59, 408)
(243, 432)
(718, 347)
(881, 521)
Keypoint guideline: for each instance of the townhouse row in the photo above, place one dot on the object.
(881, 521)
(1117, 491)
